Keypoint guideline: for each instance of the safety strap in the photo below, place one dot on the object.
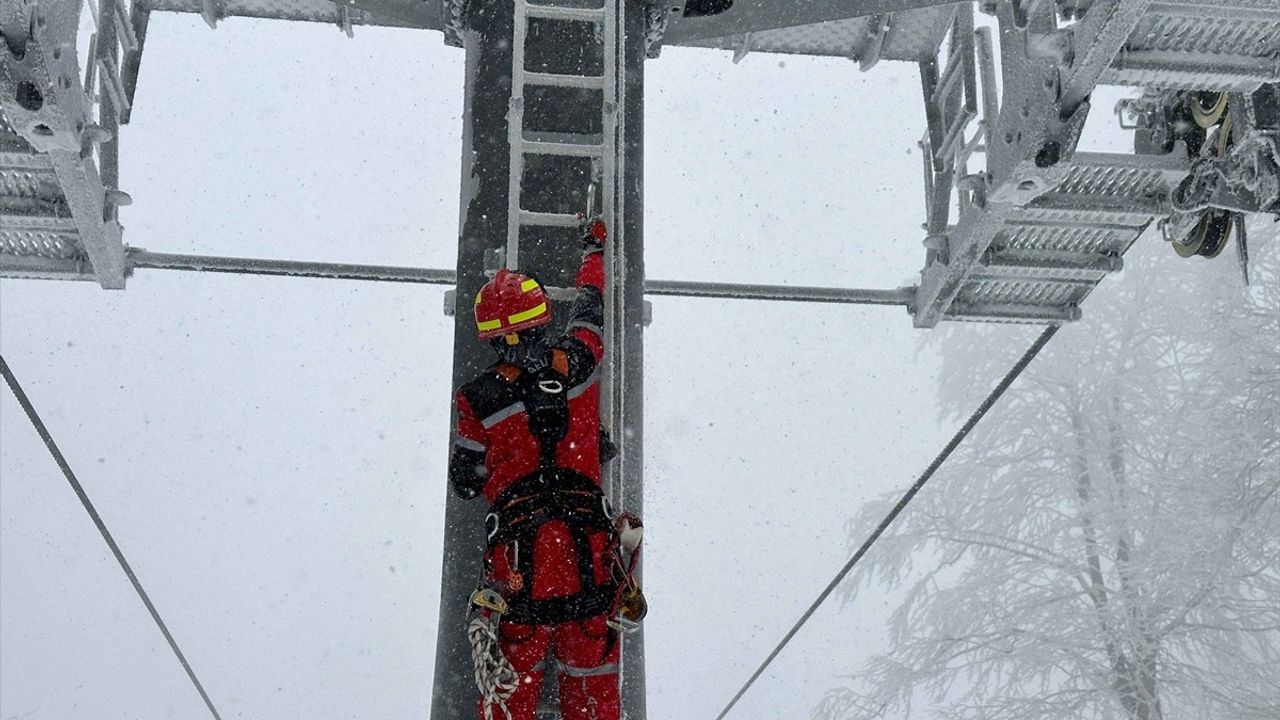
(560, 361)
(520, 512)
(545, 398)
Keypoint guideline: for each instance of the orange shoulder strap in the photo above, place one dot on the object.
(560, 361)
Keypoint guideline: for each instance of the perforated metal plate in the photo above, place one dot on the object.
(34, 218)
(1051, 254)
(25, 236)
(1202, 45)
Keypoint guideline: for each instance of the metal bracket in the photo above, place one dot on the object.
(453, 14)
(1095, 42)
(344, 19)
(741, 47)
(210, 11)
(1242, 250)
(656, 17)
(494, 260)
(880, 25)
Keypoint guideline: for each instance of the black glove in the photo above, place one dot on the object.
(608, 450)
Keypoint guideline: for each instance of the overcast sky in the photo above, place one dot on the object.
(270, 453)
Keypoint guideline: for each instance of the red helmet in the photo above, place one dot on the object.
(509, 303)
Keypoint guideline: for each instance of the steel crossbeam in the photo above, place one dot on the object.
(745, 16)
(52, 268)
(750, 16)
(416, 14)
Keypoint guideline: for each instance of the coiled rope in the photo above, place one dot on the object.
(496, 679)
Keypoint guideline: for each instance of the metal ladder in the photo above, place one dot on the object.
(606, 155)
(606, 152)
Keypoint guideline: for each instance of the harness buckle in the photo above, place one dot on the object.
(489, 599)
(631, 610)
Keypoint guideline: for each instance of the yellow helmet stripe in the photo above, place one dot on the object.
(528, 285)
(487, 325)
(527, 314)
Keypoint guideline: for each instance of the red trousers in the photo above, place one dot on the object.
(583, 654)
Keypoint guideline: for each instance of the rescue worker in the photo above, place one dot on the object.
(529, 439)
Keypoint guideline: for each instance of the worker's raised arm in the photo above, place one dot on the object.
(583, 343)
(586, 319)
(467, 471)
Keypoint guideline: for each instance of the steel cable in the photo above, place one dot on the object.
(906, 498)
(102, 528)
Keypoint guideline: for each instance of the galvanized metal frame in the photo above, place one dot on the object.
(1028, 147)
(1226, 45)
(344, 15)
(1095, 42)
(59, 130)
(747, 16)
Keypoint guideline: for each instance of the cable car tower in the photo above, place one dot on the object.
(1018, 225)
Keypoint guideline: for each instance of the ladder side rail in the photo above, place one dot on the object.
(612, 411)
(515, 131)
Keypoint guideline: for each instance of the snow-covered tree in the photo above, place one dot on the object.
(1107, 542)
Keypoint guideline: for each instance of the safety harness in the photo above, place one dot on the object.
(550, 494)
(545, 496)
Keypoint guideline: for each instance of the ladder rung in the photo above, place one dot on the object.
(553, 12)
(589, 82)
(561, 148)
(528, 217)
(563, 294)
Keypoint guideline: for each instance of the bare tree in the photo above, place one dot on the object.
(1107, 543)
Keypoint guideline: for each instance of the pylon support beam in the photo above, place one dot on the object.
(138, 259)
(551, 186)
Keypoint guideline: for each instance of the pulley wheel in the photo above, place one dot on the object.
(1194, 240)
(1208, 107)
(1217, 230)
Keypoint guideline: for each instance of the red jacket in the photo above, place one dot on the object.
(493, 442)
(494, 448)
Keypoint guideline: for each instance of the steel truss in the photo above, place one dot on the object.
(58, 146)
(1051, 221)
